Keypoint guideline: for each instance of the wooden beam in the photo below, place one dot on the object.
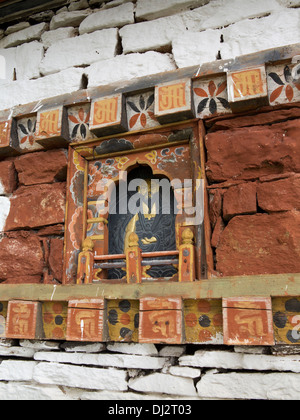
(278, 285)
(12, 10)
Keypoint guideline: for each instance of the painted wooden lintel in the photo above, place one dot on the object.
(279, 285)
(271, 56)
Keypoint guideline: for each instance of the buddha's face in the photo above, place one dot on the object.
(148, 188)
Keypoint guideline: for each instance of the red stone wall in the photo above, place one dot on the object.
(31, 249)
(253, 170)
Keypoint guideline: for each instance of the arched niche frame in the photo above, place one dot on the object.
(174, 152)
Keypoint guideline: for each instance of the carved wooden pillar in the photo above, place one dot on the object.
(187, 270)
(86, 263)
(133, 260)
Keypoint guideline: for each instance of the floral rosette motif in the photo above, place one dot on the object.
(80, 125)
(211, 98)
(285, 84)
(143, 111)
(27, 132)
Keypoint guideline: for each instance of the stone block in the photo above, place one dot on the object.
(27, 91)
(24, 320)
(8, 179)
(239, 199)
(154, 35)
(163, 383)
(67, 19)
(247, 89)
(21, 255)
(52, 129)
(248, 386)
(51, 37)
(29, 68)
(239, 361)
(253, 35)
(16, 370)
(252, 145)
(279, 195)
(270, 248)
(21, 391)
(161, 321)
(248, 321)
(37, 206)
(86, 320)
(26, 35)
(146, 10)
(42, 167)
(82, 50)
(173, 101)
(128, 67)
(17, 27)
(55, 260)
(134, 348)
(120, 361)
(196, 48)
(108, 18)
(108, 115)
(80, 377)
(185, 372)
(78, 5)
(40, 345)
(75, 347)
(9, 55)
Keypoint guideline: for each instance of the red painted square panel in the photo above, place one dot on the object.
(24, 320)
(85, 320)
(248, 321)
(161, 321)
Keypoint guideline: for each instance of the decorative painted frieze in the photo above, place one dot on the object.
(211, 97)
(283, 88)
(248, 321)
(161, 320)
(140, 111)
(108, 115)
(247, 88)
(24, 320)
(174, 101)
(52, 128)
(86, 320)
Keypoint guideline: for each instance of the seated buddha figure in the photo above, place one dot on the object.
(153, 222)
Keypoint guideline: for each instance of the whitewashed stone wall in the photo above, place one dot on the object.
(115, 40)
(74, 371)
